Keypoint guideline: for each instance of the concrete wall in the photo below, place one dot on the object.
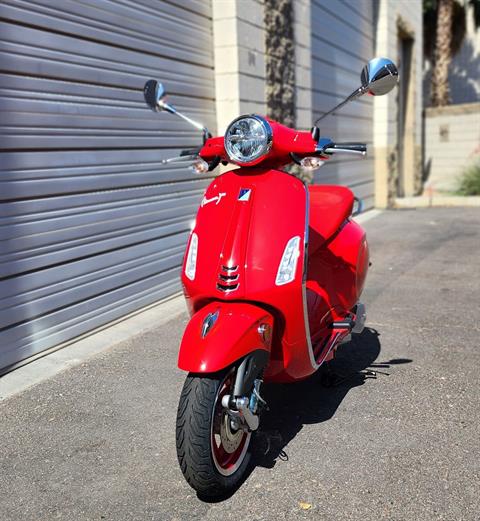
(343, 41)
(452, 143)
(239, 56)
(397, 19)
(239, 48)
(303, 63)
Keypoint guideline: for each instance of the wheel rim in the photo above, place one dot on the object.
(229, 446)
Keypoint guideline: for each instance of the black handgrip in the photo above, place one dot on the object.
(357, 147)
(190, 152)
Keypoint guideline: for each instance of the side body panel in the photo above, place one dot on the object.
(243, 225)
(336, 276)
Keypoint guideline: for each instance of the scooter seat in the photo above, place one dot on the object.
(330, 206)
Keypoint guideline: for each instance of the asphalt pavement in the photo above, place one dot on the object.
(97, 441)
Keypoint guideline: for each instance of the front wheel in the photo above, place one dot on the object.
(212, 453)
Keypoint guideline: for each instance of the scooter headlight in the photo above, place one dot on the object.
(288, 264)
(191, 262)
(248, 138)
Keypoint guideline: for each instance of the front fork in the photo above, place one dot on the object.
(244, 404)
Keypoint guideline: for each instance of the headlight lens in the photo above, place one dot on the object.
(248, 138)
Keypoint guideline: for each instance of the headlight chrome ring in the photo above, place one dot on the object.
(248, 139)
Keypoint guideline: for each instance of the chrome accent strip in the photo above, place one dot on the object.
(229, 268)
(333, 341)
(225, 289)
(229, 278)
(304, 280)
(209, 322)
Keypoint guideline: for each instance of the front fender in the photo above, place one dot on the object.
(221, 333)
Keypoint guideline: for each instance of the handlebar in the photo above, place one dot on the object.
(353, 147)
(328, 147)
(348, 148)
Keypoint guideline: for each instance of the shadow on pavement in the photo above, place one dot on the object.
(316, 399)
(313, 400)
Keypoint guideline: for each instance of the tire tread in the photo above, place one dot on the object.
(193, 441)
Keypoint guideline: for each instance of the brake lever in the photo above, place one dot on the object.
(180, 159)
(197, 162)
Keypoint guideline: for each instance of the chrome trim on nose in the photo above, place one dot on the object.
(229, 278)
(209, 322)
(227, 288)
(230, 268)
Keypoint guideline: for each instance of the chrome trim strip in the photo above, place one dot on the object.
(230, 268)
(304, 280)
(209, 322)
(229, 278)
(333, 341)
(225, 289)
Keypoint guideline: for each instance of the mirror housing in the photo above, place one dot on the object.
(379, 76)
(155, 95)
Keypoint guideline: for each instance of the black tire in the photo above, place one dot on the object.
(196, 447)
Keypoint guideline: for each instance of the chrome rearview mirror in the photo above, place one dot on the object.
(155, 97)
(379, 76)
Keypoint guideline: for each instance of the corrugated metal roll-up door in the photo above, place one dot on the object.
(92, 226)
(342, 43)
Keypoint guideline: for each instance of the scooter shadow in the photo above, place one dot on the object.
(317, 398)
(313, 400)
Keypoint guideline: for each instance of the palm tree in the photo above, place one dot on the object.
(444, 31)
(442, 58)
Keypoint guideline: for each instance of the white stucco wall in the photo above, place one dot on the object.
(391, 15)
(239, 48)
(239, 57)
(452, 143)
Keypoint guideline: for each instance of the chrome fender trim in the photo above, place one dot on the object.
(315, 366)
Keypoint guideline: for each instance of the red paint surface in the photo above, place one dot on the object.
(234, 335)
(251, 237)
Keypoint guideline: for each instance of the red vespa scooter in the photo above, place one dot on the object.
(272, 276)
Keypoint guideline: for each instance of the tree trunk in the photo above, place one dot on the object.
(443, 56)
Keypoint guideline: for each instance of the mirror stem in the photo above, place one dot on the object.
(173, 110)
(354, 95)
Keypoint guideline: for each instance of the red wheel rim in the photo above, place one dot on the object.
(227, 456)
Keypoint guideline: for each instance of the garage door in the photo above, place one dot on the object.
(92, 226)
(342, 42)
